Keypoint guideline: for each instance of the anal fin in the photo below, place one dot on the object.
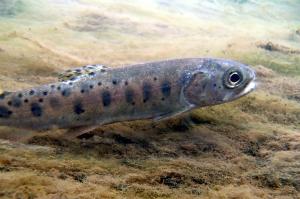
(77, 131)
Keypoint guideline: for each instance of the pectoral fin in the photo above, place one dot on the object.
(171, 114)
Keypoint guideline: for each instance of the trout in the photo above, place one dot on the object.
(94, 95)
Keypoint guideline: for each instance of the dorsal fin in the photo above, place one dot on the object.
(77, 73)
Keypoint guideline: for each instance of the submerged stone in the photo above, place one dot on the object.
(269, 46)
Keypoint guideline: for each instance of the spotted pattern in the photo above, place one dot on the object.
(129, 95)
(85, 88)
(166, 89)
(36, 110)
(115, 82)
(16, 102)
(106, 98)
(2, 95)
(78, 108)
(147, 92)
(66, 92)
(4, 112)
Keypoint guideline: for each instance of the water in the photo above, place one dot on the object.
(244, 149)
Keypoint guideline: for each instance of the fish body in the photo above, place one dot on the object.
(98, 95)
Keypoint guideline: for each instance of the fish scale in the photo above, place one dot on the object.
(94, 95)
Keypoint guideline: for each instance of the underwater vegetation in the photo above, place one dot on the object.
(248, 148)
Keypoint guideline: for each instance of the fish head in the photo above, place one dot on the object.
(217, 81)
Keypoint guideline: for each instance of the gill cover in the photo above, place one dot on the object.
(196, 87)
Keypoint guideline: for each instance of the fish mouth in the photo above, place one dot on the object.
(250, 86)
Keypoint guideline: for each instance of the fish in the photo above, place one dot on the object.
(94, 95)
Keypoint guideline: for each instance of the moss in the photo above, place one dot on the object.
(284, 64)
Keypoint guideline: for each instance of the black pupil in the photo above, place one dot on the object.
(235, 78)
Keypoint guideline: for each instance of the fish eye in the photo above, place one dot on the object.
(233, 78)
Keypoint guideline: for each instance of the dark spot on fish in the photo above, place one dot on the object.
(155, 78)
(133, 103)
(78, 108)
(106, 98)
(31, 92)
(92, 73)
(99, 83)
(20, 95)
(147, 89)
(73, 78)
(204, 85)
(58, 88)
(16, 102)
(66, 92)
(9, 103)
(126, 83)
(162, 99)
(91, 86)
(41, 100)
(77, 70)
(36, 110)
(166, 89)
(45, 93)
(25, 100)
(215, 85)
(70, 83)
(102, 70)
(129, 94)
(4, 94)
(84, 88)
(54, 102)
(4, 112)
(52, 86)
(115, 82)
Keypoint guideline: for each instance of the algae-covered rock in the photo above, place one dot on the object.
(276, 47)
